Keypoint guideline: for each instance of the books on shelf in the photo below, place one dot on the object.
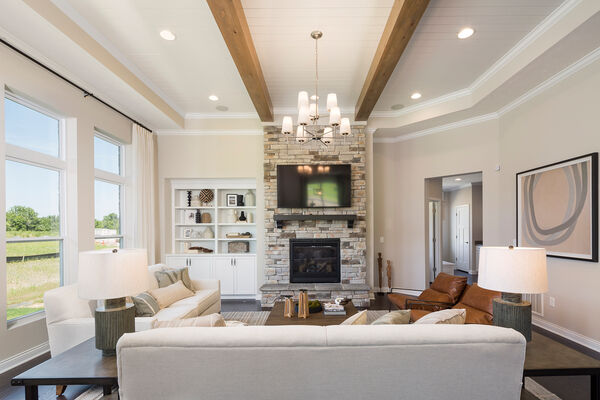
(333, 309)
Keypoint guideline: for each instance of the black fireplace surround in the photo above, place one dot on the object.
(315, 261)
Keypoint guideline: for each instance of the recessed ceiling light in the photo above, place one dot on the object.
(212, 97)
(415, 96)
(222, 108)
(465, 33)
(458, 179)
(397, 106)
(167, 34)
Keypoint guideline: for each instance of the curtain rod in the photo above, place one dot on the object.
(86, 93)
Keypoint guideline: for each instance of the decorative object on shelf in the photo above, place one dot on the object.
(303, 310)
(568, 189)
(198, 217)
(389, 274)
(232, 200)
(238, 235)
(380, 271)
(208, 233)
(250, 199)
(288, 308)
(206, 218)
(206, 196)
(186, 246)
(111, 275)
(240, 200)
(513, 271)
(200, 249)
(250, 218)
(196, 202)
(242, 217)
(187, 233)
(323, 134)
(238, 247)
(189, 198)
(196, 234)
(191, 217)
(232, 216)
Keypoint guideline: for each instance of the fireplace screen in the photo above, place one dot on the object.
(315, 261)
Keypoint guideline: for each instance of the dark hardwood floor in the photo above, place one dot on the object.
(566, 388)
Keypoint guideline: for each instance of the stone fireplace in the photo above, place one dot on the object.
(315, 261)
(279, 278)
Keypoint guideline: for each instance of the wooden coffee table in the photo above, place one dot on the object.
(80, 365)
(276, 317)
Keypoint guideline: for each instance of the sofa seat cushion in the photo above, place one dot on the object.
(177, 312)
(190, 306)
(475, 316)
(399, 299)
(211, 320)
(452, 285)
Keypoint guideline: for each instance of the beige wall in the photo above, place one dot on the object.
(560, 123)
(197, 156)
(83, 115)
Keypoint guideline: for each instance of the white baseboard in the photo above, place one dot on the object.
(12, 362)
(578, 338)
(409, 292)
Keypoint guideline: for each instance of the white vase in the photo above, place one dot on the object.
(249, 199)
(250, 218)
(232, 216)
(208, 233)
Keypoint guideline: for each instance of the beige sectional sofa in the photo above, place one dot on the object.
(70, 319)
(411, 362)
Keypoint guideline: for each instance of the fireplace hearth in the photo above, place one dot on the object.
(315, 261)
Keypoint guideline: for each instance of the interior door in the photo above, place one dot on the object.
(245, 275)
(463, 234)
(201, 268)
(224, 272)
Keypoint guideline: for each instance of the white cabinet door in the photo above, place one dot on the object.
(201, 268)
(224, 272)
(245, 275)
(177, 261)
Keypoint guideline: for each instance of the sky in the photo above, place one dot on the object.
(35, 187)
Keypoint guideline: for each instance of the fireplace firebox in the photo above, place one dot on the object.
(315, 261)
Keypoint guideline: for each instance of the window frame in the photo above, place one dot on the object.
(34, 158)
(116, 179)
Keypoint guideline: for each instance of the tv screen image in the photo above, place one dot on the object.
(314, 185)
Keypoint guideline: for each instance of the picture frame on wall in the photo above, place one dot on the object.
(557, 208)
(232, 200)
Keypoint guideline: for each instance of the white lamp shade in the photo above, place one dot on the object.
(334, 116)
(303, 115)
(287, 125)
(327, 135)
(107, 275)
(345, 126)
(312, 111)
(331, 101)
(300, 134)
(302, 99)
(513, 269)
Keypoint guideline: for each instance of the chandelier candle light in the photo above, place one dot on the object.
(308, 112)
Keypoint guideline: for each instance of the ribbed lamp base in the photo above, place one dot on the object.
(515, 315)
(112, 321)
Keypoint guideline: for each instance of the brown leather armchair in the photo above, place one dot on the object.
(443, 293)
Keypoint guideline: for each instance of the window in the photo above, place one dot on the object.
(108, 192)
(35, 196)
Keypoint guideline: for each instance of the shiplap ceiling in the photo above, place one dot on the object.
(281, 33)
(436, 62)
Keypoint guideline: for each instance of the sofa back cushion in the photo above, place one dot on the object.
(434, 295)
(453, 286)
(169, 276)
(479, 298)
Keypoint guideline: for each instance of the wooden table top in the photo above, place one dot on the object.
(82, 364)
(276, 317)
(546, 356)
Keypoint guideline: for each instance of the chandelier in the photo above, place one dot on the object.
(308, 128)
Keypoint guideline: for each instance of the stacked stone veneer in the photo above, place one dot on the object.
(280, 149)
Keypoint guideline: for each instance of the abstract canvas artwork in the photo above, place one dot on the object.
(557, 208)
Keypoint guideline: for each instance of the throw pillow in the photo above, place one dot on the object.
(145, 305)
(171, 275)
(212, 320)
(360, 318)
(450, 316)
(168, 295)
(398, 317)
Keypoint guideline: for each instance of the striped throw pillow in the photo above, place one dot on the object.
(169, 276)
(145, 305)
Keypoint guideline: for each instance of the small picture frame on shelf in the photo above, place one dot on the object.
(232, 200)
(187, 233)
(240, 200)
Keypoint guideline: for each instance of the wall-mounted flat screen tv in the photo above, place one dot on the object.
(314, 185)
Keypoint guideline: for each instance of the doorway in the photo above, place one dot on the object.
(462, 235)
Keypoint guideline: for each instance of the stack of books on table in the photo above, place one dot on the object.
(333, 309)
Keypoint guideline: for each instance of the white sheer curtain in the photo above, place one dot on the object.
(144, 211)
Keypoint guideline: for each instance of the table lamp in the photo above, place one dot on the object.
(111, 275)
(513, 271)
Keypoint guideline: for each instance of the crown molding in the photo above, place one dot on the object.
(566, 73)
(423, 105)
(222, 115)
(209, 132)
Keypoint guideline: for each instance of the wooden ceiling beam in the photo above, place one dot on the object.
(400, 26)
(231, 20)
